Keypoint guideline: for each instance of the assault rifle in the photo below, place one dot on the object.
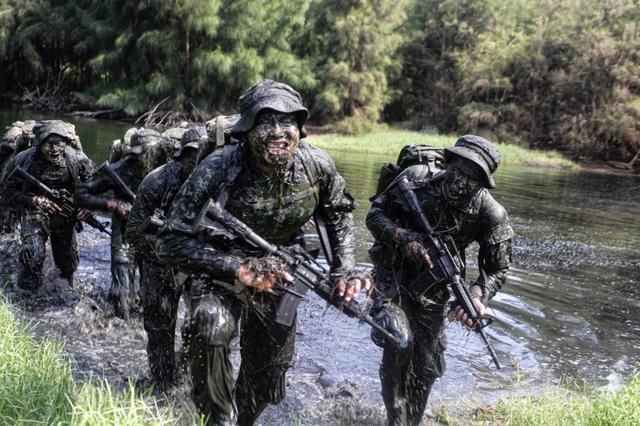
(308, 274)
(62, 198)
(117, 180)
(446, 270)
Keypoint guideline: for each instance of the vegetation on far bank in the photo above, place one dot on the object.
(554, 74)
(37, 386)
(390, 142)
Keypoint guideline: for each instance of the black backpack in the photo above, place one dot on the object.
(410, 155)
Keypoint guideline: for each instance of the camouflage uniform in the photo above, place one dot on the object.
(35, 225)
(409, 370)
(275, 208)
(96, 194)
(160, 289)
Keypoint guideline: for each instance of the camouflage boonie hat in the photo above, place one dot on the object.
(269, 94)
(478, 150)
(192, 138)
(45, 128)
(141, 140)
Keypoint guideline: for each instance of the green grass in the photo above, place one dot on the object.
(562, 407)
(37, 386)
(389, 142)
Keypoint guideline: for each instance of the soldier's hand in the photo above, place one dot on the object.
(262, 273)
(412, 248)
(82, 214)
(348, 286)
(120, 208)
(462, 316)
(45, 204)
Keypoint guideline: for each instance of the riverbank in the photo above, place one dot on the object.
(38, 386)
(390, 142)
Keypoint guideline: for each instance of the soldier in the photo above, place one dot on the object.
(52, 160)
(160, 289)
(457, 203)
(7, 147)
(25, 140)
(102, 192)
(274, 182)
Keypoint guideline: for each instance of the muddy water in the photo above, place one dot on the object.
(570, 307)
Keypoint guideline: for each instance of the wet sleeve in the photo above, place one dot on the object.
(87, 168)
(176, 245)
(141, 236)
(91, 194)
(494, 256)
(15, 193)
(379, 221)
(335, 206)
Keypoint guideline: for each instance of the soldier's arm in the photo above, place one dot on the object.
(176, 245)
(494, 256)
(336, 206)
(383, 220)
(91, 193)
(148, 198)
(14, 192)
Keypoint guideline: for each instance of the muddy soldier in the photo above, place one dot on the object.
(103, 192)
(457, 203)
(273, 181)
(160, 287)
(59, 166)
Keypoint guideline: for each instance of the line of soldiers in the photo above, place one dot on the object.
(260, 169)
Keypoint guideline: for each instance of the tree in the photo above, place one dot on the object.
(351, 45)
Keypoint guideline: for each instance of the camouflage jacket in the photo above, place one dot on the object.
(95, 193)
(275, 210)
(156, 191)
(77, 169)
(483, 221)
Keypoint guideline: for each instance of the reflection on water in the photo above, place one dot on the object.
(571, 304)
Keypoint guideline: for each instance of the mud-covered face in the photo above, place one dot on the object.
(52, 149)
(274, 138)
(461, 182)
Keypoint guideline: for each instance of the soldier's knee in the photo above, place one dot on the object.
(33, 252)
(212, 320)
(393, 319)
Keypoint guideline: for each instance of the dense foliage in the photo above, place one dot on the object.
(543, 73)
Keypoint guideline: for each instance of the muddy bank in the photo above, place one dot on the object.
(334, 379)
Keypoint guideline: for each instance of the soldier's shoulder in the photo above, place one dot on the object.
(491, 209)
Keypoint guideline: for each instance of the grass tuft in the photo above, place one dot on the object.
(37, 386)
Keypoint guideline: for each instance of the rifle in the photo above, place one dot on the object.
(308, 274)
(117, 180)
(446, 270)
(62, 198)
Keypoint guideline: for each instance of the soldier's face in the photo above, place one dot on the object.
(461, 184)
(52, 149)
(274, 138)
(188, 159)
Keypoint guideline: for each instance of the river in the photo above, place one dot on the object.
(569, 311)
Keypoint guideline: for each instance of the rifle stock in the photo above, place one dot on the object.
(307, 273)
(445, 271)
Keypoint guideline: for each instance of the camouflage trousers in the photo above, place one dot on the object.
(407, 373)
(123, 293)
(160, 297)
(266, 349)
(35, 230)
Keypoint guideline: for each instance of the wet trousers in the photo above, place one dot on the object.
(266, 349)
(408, 371)
(160, 297)
(35, 230)
(123, 293)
